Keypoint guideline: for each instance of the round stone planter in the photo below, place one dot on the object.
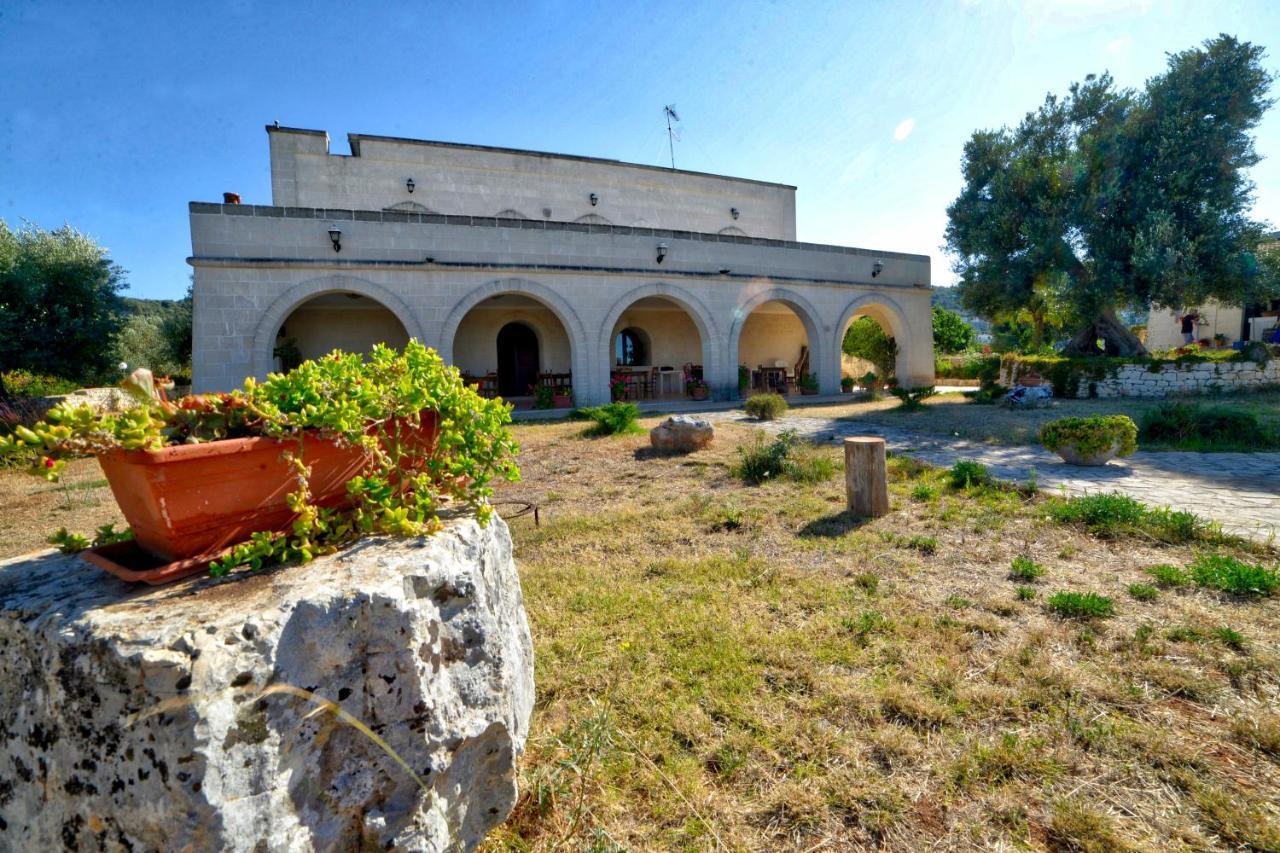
(1072, 456)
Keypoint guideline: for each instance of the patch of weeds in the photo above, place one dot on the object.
(1184, 634)
(1143, 592)
(1113, 514)
(957, 602)
(927, 545)
(1228, 574)
(1230, 638)
(1081, 605)
(766, 407)
(867, 623)
(613, 419)
(923, 492)
(1012, 757)
(761, 460)
(1025, 593)
(918, 710)
(1074, 826)
(1177, 681)
(1170, 576)
(1236, 820)
(966, 473)
(727, 519)
(1260, 732)
(868, 582)
(1025, 569)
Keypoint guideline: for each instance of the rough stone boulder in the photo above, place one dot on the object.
(174, 717)
(681, 434)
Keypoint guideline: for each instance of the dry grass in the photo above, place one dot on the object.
(720, 665)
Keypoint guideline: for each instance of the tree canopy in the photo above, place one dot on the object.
(1109, 198)
(950, 332)
(60, 307)
(865, 339)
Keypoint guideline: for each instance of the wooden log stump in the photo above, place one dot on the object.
(866, 479)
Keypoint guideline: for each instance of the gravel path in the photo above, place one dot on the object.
(1240, 490)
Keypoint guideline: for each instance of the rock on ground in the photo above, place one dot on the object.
(681, 434)
(136, 718)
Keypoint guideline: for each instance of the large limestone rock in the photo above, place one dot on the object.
(681, 434)
(136, 718)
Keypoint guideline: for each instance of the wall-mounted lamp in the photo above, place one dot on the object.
(733, 211)
(594, 199)
(409, 185)
(662, 251)
(335, 237)
(877, 268)
(725, 271)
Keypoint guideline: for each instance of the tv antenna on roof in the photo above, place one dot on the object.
(672, 136)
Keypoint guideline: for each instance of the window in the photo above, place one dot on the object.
(629, 349)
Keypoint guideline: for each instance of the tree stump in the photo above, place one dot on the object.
(866, 480)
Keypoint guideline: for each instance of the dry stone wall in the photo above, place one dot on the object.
(1139, 380)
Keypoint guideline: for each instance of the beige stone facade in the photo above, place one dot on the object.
(714, 279)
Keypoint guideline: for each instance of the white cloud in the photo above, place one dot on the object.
(904, 128)
(1118, 46)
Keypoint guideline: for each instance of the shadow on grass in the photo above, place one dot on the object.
(832, 526)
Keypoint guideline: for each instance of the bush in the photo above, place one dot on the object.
(984, 368)
(785, 456)
(1167, 575)
(950, 331)
(1091, 435)
(23, 383)
(1228, 574)
(613, 419)
(1081, 605)
(913, 398)
(1026, 569)
(966, 473)
(1143, 591)
(1113, 513)
(865, 339)
(1189, 426)
(766, 407)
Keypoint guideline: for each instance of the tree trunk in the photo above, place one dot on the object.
(1116, 338)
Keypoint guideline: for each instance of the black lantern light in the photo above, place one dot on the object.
(595, 199)
(335, 237)
(877, 268)
(409, 185)
(733, 211)
(662, 251)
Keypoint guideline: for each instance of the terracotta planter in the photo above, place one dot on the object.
(562, 401)
(195, 500)
(698, 393)
(808, 392)
(1072, 456)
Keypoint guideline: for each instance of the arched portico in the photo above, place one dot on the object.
(264, 338)
(804, 310)
(914, 364)
(696, 313)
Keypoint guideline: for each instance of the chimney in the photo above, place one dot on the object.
(231, 198)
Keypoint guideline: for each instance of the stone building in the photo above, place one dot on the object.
(515, 264)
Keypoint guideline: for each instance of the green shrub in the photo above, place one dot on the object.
(613, 419)
(1081, 605)
(923, 492)
(1113, 514)
(766, 407)
(980, 367)
(1026, 569)
(966, 473)
(1091, 435)
(1228, 637)
(1167, 575)
(927, 545)
(1228, 574)
(1190, 426)
(22, 383)
(1025, 593)
(784, 457)
(913, 398)
(1143, 591)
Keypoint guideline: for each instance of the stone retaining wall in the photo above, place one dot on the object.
(1139, 380)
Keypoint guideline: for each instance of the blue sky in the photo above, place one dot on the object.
(114, 115)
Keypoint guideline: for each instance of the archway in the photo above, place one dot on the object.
(656, 349)
(347, 321)
(879, 343)
(775, 350)
(517, 360)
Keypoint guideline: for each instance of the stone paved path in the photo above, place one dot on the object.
(1240, 490)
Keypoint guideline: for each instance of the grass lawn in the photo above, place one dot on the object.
(723, 665)
(953, 415)
(747, 667)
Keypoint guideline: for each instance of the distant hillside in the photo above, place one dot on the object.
(149, 307)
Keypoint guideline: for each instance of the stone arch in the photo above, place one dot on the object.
(408, 207)
(885, 311)
(702, 319)
(733, 231)
(593, 219)
(813, 330)
(579, 358)
(509, 213)
(264, 336)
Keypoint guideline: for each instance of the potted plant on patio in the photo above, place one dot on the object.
(744, 380)
(543, 396)
(617, 388)
(696, 388)
(846, 384)
(1090, 441)
(808, 383)
(562, 398)
(285, 469)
